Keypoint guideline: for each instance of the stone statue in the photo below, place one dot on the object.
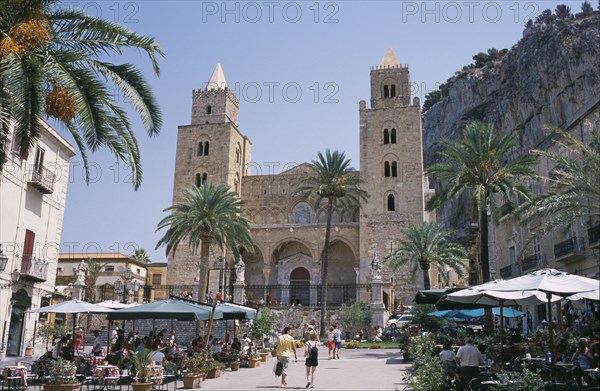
(375, 268)
(80, 271)
(240, 271)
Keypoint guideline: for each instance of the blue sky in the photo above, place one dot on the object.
(299, 69)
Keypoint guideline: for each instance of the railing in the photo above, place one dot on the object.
(594, 234)
(305, 294)
(530, 262)
(33, 268)
(567, 247)
(43, 180)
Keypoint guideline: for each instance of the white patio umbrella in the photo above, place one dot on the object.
(591, 295)
(116, 305)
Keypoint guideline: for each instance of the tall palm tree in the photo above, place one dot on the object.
(52, 63)
(207, 214)
(331, 179)
(480, 166)
(574, 184)
(425, 244)
(141, 255)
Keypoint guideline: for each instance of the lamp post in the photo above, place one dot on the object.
(128, 288)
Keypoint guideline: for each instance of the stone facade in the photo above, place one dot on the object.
(288, 232)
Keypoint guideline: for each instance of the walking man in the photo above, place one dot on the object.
(284, 349)
(337, 338)
(469, 358)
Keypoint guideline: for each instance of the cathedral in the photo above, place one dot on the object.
(289, 232)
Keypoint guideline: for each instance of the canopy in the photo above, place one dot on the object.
(73, 307)
(591, 295)
(431, 296)
(234, 311)
(117, 305)
(474, 313)
(488, 298)
(545, 280)
(172, 308)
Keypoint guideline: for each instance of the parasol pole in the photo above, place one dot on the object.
(501, 332)
(550, 326)
(210, 323)
(73, 334)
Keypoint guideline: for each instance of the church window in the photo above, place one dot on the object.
(386, 91)
(391, 203)
(392, 91)
(200, 148)
(302, 214)
(394, 169)
(386, 136)
(209, 109)
(236, 183)
(237, 155)
(198, 180)
(393, 136)
(386, 169)
(204, 178)
(206, 148)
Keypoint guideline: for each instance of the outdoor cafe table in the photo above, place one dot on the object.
(16, 371)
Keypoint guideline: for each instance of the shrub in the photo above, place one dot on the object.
(428, 376)
(351, 345)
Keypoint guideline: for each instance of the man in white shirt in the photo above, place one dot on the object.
(469, 358)
(97, 346)
(157, 355)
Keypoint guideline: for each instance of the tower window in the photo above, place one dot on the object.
(386, 169)
(237, 155)
(391, 203)
(393, 136)
(200, 148)
(394, 169)
(204, 178)
(209, 109)
(386, 136)
(206, 148)
(386, 91)
(198, 180)
(393, 91)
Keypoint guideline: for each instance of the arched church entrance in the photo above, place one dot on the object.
(300, 287)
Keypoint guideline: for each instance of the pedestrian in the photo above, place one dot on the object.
(284, 349)
(469, 358)
(78, 338)
(97, 346)
(311, 352)
(330, 342)
(337, 337)
(219, 296)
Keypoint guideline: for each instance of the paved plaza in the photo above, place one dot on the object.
(358, 369)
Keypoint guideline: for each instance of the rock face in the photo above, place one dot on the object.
(550, 77)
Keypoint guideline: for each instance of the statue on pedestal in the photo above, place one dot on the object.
(240, 271)
(375, 268)
(80, 271)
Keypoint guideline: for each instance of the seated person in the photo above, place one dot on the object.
(448, 358)
(113, 357)
(236, 344)
(157, 355)
(582, 359)
(216, 346)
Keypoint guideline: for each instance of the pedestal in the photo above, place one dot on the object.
(239, 293)
(377, 308)
(78, 292)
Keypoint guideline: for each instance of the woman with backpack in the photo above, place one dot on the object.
(311, 352)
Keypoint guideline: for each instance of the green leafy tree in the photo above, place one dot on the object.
(207, 214)
(356, 316)
(141, 255)
(563, 12)
(94, 268)
(425, 244)
(333, 180)
(262, 325)
(574, 191)
(53, 62)
(479, 166)
(586, 8)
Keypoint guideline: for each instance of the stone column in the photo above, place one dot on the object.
(239, 292)
(78, 291)
(377, 307)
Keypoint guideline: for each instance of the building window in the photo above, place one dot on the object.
(110, 268)
(138, 272)
(302, 214)
(204, 178)
(512, 254)
(39, 160)
(393, 91)
(156, 279)
(386, 91)
(209, 109)
(386, 169)
(198, 180)
(390, 169)
(206, 148)
(391, 203)
(200, 148)
(386, 136)
(394, 169)
(393, 136)
(237, 155)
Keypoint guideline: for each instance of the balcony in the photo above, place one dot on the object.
(569, 250)
(33, 269)
(530, 262)
(43, 180)
(594, 235)
(507, 272)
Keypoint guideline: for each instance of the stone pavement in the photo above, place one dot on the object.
(358, 369)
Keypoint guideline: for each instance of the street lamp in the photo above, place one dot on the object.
(3, 259)
(128, 288)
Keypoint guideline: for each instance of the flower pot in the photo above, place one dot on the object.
(192, 380)
(264, 357)
(235, 365)
(62, 387)
(214, 373)
(29, 351)
(141, 386)
(253, 362)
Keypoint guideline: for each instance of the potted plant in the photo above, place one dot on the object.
(264, 354)
(234, 360)
(61, 376)
(214, 369)
(261, 326)
(253, 360)
(142, 381)
(194, 369)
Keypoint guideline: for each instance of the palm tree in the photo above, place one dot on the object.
(140, 255)
(574, 184)
(207, 214)
(51, 63)
(479, 166)
(427, 244)
(332, 179)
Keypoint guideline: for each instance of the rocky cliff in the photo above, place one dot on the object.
(550, 77)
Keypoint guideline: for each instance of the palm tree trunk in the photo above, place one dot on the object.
(426, 279)
(484, 246)
(204, 266)
(324, 265)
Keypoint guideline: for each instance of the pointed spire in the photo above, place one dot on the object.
(217, 79)
(389, 59)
